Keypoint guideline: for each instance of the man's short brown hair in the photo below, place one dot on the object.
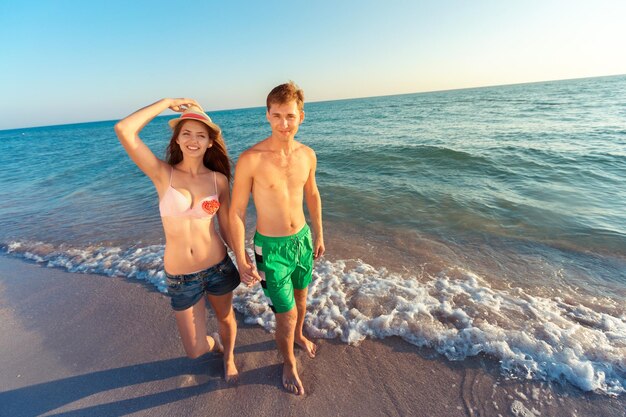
(285, 93)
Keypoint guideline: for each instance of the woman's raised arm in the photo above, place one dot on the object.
(128, 129)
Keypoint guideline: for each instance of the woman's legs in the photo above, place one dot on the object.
(192, 328)
(223, 308)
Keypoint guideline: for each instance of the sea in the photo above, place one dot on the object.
(487, 221)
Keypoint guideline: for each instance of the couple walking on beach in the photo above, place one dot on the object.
(193, 184)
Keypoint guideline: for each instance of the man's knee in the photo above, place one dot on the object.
(288, 318)
(300, 296)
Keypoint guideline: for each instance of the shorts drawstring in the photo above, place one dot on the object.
(298, 246)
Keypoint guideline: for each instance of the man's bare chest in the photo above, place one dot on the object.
(282, 172)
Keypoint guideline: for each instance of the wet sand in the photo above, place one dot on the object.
(79, 344)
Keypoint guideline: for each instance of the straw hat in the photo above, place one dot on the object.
(195, 113)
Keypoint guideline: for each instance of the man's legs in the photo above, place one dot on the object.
(285, 329)
(299, 339)
(280, 277)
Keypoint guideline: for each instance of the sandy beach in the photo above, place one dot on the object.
(90, 345)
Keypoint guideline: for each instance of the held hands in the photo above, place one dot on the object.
(181, 104)
(248, 272)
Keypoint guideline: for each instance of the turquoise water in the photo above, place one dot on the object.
(504, 201)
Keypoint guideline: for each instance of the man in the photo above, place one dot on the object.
(280, 172)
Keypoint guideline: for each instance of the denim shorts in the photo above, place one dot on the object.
(187, 289)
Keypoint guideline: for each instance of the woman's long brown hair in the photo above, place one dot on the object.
(215, 158)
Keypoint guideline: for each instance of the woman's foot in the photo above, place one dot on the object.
(231, 374)
(218, 347)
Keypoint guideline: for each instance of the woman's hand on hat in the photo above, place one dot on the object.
(181, 104)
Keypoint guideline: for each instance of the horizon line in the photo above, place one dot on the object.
(339, 99)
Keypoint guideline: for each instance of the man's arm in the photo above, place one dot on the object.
(314, 204)
(237, 216)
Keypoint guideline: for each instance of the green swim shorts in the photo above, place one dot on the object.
(285, 263)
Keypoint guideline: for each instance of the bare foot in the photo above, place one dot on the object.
(306, 344)
(291, 381)
(217, 345)
(231, 374)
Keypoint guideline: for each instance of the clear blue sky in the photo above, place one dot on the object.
(74, 61)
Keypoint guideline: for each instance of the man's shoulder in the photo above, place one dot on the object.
(253, 152)
(308, 151)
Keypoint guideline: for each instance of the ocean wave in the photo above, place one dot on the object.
(456, 312)
(145, 263)
(459, 315)
(409, 160)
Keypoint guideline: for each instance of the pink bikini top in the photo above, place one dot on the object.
(175, 204)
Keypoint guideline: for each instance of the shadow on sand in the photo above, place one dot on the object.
(179, 378)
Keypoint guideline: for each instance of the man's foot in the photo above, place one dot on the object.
(217, 343)
(291, 381)
(231, 374)
(306, 344)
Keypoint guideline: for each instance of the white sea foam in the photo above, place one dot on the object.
(143, 263)
(455, 312)
(460, 315)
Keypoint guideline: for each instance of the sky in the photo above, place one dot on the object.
(76, 61)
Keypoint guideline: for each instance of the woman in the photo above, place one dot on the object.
(193, 184)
